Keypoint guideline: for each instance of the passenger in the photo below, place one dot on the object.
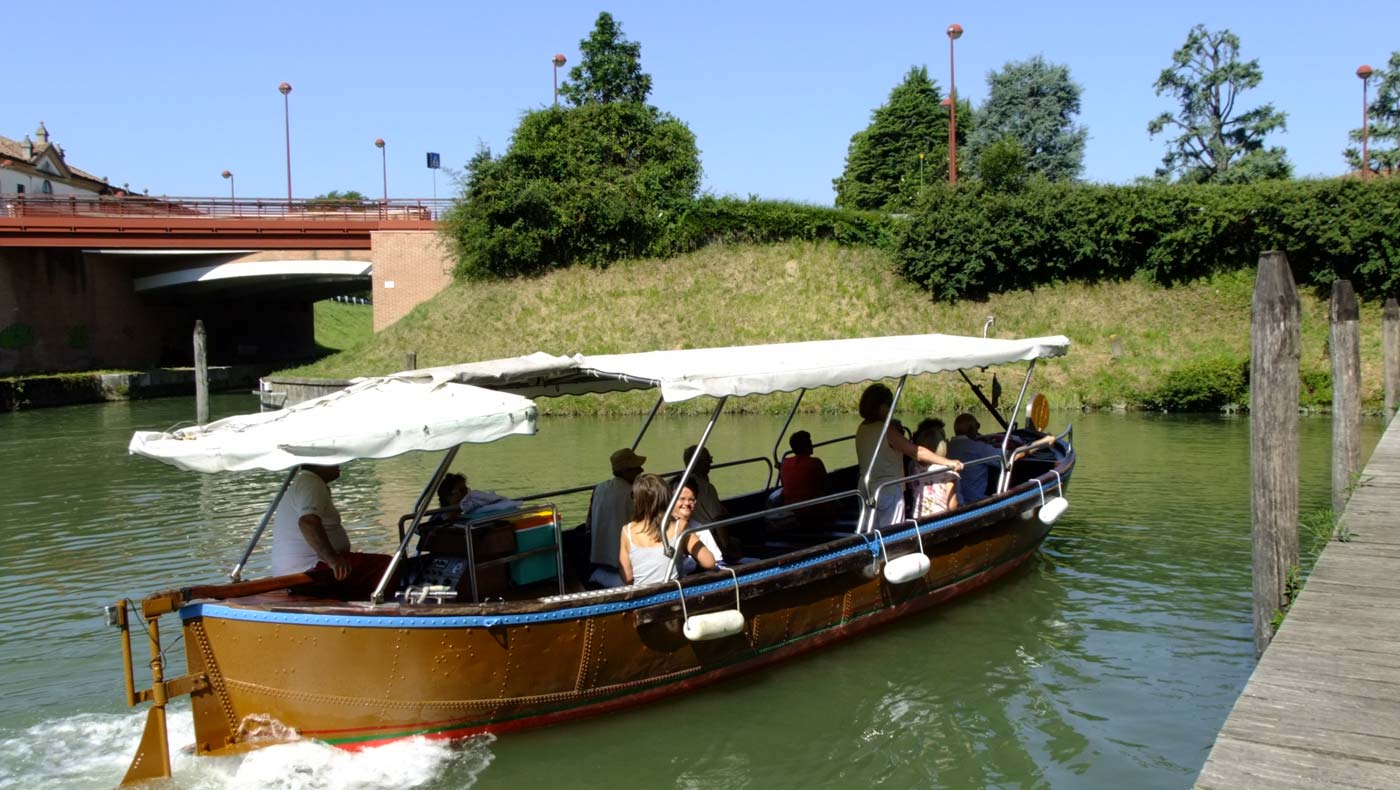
(967, 446)
(641, 557)
(476, 502)
(803, 474)
(684, 518)
(307, 536)
(887, 453)
(608, 510)
(708, 507)
(935, 494)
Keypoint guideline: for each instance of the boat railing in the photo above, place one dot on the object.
(914, 478)
(485, 520)
(663, 475)
(677, 557)
(1026, 449)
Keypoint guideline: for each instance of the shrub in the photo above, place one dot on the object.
(1209, 385)
(712, 220)
(970, 240)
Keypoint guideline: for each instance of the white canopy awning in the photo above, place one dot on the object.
(372, 418)
(785, 367)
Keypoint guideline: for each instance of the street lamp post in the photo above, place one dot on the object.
(384, 166)
(1364, 72)
(559, 61)
(955, 32)
(232, 197)
(286, 88)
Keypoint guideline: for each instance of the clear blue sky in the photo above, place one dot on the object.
(167, 95)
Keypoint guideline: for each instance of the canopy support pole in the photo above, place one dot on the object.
(778, 462)
(685, 475)
(423, 501)
(237, 572)
(991, 408)
(870, 507)
(643, 432)
(1006, 440)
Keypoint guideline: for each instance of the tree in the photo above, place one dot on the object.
(590, 184)
(1034, 103)
(610, 69)
(882, 162)
(1384, 112)
(1002, 165)
(337, 199)
(1216, 144)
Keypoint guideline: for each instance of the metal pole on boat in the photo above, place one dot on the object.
(201, 374)
(423, 500)
(1006, 439)
(870, 467)
(778, 462)
(645, 425)
(685, 475)
(237, 571)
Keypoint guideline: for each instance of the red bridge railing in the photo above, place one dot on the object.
(22, 205)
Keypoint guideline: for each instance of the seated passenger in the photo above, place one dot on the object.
(307, 536)
(884, 455)
(608, 510)
(476, 502)
(935, 494)
(641, 557)
(967, 447)
(685, 509)
(803, 474)
(708, 507)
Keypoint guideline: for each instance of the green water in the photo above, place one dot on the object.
(1109, 662)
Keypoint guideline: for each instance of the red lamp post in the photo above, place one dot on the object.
(559, 61)
(1364, 72)
(286, 88)
(955, 32)
(229, 175)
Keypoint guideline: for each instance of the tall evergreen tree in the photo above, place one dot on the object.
(1215, 143)
(610, 70)
(1034, 103)
(882, 162)
(1383, 148)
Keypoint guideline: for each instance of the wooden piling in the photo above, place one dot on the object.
(1344, 339)
(1275, 318)
(1390, 342)
(410, 360)
(201, 374)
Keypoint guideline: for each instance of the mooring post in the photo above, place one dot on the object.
(1390, 348)
(410, 360)
(1345, 342)
(1273, 438)
(201, 374)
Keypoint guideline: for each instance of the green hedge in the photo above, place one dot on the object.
(712, 220)
(969, 241)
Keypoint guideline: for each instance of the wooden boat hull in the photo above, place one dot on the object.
(361, 677)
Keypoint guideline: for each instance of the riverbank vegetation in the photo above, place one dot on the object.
(342, 325)
(1136, 344)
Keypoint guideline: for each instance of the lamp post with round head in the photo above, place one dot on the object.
(559, 61)
(286, 88)
(1365, 72)
(384, 167)
(955, 32)
(231, 195)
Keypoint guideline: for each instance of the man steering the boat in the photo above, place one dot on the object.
(308, 537)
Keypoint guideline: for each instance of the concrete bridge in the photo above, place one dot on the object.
(92, 281)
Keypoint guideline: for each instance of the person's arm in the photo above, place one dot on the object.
(624, 559)
(921, 454)
(315, 534)
(702, 555)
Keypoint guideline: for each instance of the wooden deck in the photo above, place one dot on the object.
(1322, 708)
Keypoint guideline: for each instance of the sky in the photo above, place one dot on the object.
(166, 96)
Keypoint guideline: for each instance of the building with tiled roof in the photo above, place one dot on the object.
(35, 166)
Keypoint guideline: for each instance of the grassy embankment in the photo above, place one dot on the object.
(1126, 336)
(341, 326)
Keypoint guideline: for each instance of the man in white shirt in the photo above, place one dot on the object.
(307, 535)
(609, 511)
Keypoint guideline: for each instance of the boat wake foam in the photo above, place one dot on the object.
(92, 750)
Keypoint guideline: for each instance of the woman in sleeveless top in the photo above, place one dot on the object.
(888, 452)
(641, 558)
(934, 494)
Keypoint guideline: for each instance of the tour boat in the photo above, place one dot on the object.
(483, 638)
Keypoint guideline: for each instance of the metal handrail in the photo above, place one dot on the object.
(725, 522)
(377, 597)
(788, 453)
(930, 472)
(663, 475)
(506, 516)
(21, 204)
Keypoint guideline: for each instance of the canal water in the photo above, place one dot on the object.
(1109, 662)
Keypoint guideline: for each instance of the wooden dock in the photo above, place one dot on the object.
(1322, 708)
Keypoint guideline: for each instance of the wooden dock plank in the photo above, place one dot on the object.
(1322, 708)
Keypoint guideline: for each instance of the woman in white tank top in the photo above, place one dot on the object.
(888, 452)
(642, 559)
